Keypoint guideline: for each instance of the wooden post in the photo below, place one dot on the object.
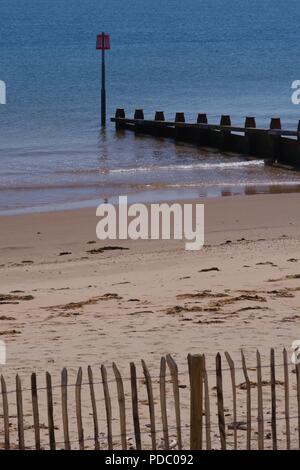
(121, 400)
(202, 118)
(203, 135)
(287, 400)
(163, 402)
(179, 117)
(94, 408)
(50, 412)
(250, 123)
(233, 387)
(276, 147)
(260, 416)
(78, 409)
(179, 133)
(159, 130)
(138, 114)
(174, 375)
(248, 389)
(159, 116)
(151, 403)
(196, 381)
(64, 407)
(135, 407)
(20, 413)
(221, 415)
(35, 412)
(120, 114)
(5, 413)
(273, 398)
(225, 135)
(207, 407)
(107, 407)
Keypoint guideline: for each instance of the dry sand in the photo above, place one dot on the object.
(147, 300)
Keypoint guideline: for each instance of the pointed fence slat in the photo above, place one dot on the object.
(233, 387)
(163, 402)
(20, 413)
(79, 409)
(64, 406)
(150, 402)
(248, 391)
(287, 400)
(260, 415)
(107, 407)
(273, 399)
(94, 408)
(220, 396)
(174, 376)
(50, 412)
(5, 414)
(196, 401)
(121, 400)
(207, 406)
(35, 412)
(135, 407)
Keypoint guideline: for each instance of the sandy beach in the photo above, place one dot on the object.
(67, 302)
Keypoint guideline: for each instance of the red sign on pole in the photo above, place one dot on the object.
(103, 42)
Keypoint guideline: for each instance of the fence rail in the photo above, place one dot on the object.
(206, 407)
(279, 146)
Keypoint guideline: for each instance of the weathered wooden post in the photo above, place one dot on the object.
(159, 116)
(138, 114)
(120, 114)
(202, 134)
(225, 135)
(179, 132)
(196, 404)
(158, 129)
(220, 398)
(202, 118)
(275, 139)
(250, 147)
(103, 44)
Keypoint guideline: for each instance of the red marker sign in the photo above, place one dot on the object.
(103, 42)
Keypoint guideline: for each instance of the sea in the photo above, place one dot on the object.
(211, 56)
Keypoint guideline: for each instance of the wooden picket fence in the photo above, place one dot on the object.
(203, 407)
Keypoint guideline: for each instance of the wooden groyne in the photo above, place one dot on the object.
(274, 144)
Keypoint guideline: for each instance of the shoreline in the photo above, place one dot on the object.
(163, 195)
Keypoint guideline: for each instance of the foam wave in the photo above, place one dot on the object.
(200, 166)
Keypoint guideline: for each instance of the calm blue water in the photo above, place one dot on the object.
(216, 56)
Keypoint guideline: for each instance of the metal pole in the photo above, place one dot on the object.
(103, 92)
